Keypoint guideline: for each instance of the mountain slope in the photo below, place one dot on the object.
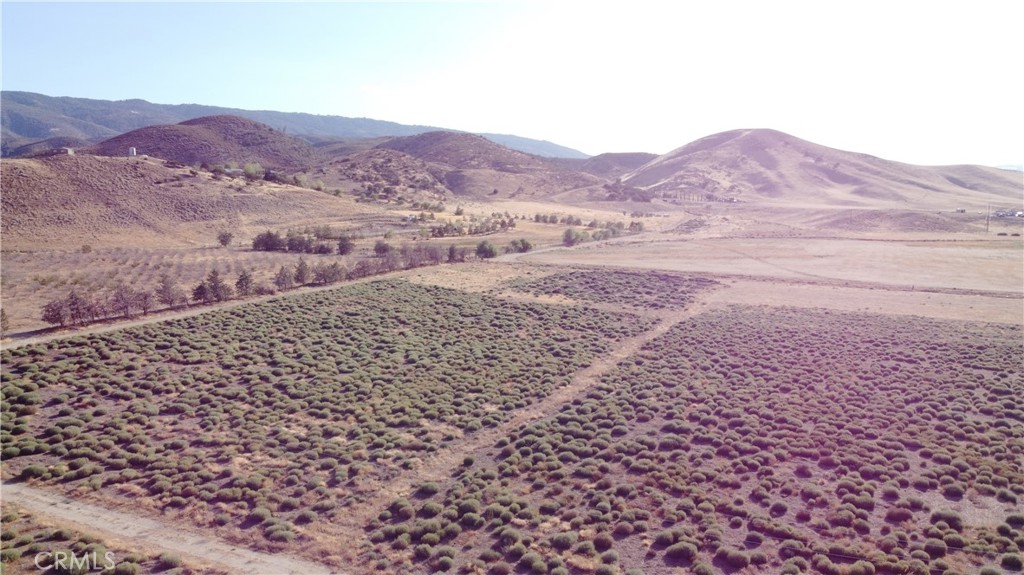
(27, 117)
(215, 139)
(760, 165)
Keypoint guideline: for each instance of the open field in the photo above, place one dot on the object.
(719, 394)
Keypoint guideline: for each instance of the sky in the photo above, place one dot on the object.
(931, 83)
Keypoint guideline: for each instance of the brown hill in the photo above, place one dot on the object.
(471, 165)
(464, 151)
(760, 165)
(215, 140)
(48, 146)
(62, 202)
(614, 165)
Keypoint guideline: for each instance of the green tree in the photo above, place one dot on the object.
(244, 284)
(302, 272)
(224, 238)
(269, 241)
(201, 293)
(219, 289)
(486, 250)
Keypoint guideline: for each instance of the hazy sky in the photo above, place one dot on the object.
(923, 82)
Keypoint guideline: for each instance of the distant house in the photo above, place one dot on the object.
(233, 172)
(67, 151)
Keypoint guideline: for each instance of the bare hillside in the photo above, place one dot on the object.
(65, 201)
(215, 139)
(754, 165)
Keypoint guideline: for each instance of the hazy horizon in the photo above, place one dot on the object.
(920, 83)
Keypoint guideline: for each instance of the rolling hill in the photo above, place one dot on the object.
(215, 139)
(62, 202)
(766, 165)
(27, 117)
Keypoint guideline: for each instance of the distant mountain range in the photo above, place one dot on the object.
(29, 122)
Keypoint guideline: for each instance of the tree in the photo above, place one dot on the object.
(519, 246)
(55, 312)
(269, 241)
(201, 293)
(456, 254)
(381, 248)
(5, 322)
(144, 301)
(225, 238)
(122, 300)
(283, 280)
(302, 272)
(345, 245)
(168, 292)
(218, 288)
(244, 283)
(486, 250)
(324, 274)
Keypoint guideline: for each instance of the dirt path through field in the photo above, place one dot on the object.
(193, 547)
(441, 464)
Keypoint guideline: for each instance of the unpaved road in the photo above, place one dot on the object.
(191, 546)
(441, 464)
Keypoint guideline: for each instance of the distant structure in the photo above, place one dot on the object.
(68, 151)
(131, 152)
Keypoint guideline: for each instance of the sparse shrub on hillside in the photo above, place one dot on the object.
(519, 246)
(381, 248)
(345, 245)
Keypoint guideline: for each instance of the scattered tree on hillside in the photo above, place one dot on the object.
(224, 238)
(345, 245)
(302, 272)
(519, 246)
(486, 250)
(244, 284)
(284, 279)
(381, 248)
(572, 237)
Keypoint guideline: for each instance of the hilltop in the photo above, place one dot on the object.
(767, 165)
(27, 117)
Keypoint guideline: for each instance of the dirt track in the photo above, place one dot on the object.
(193, 547)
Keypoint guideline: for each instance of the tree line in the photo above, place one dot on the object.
(78, 308)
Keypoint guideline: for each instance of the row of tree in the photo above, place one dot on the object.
(124, 301)
(294, 242)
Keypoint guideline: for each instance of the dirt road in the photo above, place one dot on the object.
(440, 465)
(192, 547)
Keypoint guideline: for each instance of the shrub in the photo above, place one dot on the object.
(682, 551)
(168, 561)
(1011, 562)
